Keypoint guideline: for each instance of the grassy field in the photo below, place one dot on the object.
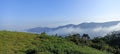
(27, 43)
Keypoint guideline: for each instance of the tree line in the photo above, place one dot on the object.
(110, 42)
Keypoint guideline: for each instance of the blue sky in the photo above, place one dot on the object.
(24, 14)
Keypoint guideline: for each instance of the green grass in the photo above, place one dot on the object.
(21, 43)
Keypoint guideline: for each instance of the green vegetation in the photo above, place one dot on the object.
(27, 43)
(110, 43)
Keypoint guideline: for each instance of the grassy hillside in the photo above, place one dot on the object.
(27, 43)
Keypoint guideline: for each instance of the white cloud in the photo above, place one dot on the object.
(99, 31)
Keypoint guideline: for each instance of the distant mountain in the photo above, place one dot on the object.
(93, 25)
(92, 28)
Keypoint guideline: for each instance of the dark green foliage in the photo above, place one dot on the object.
(86, 36)
(110, 42)
(77, 39)
(74, 38)
(100, 44)
(31, 51)
(113, 39)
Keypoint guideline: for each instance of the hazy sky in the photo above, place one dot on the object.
(22, 14)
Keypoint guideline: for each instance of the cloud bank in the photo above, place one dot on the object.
(93, 32)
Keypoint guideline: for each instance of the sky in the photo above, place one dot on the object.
(24, 14)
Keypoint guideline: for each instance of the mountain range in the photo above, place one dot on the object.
(92, 28)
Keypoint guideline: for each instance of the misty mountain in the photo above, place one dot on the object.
(92, 28)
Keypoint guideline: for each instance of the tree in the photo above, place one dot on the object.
(113, 39)
(85, 38)
(74, 38)
(43, 34)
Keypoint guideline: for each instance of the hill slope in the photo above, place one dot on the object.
(26, 43)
